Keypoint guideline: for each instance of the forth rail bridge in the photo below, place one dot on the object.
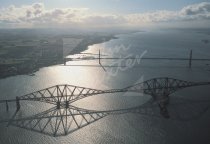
(64, 118)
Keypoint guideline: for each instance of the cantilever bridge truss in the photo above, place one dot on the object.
(64, 118)
(69, 93)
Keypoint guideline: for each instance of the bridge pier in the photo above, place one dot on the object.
(67, 104)
(64, 61)
(7, 106)
(17, 103)
(58, 104)
(190, 59)
(99, 57)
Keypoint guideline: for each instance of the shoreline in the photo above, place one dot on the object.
(31, 66)
(82, 46)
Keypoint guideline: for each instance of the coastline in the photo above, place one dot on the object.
(30, 66)
(91, 41)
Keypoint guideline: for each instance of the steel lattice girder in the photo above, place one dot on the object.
(70, 93)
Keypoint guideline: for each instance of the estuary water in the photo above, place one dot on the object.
(118, 73)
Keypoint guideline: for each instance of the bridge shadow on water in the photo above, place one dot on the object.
(60, 122)
(66, 118)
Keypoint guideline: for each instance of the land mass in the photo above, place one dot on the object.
(26, 51)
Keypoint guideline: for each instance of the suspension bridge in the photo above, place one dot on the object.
(100, 58)
(64, 118)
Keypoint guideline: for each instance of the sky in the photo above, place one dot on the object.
(104, 13)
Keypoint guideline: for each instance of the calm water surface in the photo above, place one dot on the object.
(126, 128)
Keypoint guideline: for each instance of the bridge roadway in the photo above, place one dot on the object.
(156, 87)
(143, 58)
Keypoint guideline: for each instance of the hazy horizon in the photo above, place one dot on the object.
(111, 14)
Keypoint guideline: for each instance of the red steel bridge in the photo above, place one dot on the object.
(59, 119)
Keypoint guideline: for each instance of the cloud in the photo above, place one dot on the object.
(158, 16)
(104, 20)
(197, 9)
(36, 15)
